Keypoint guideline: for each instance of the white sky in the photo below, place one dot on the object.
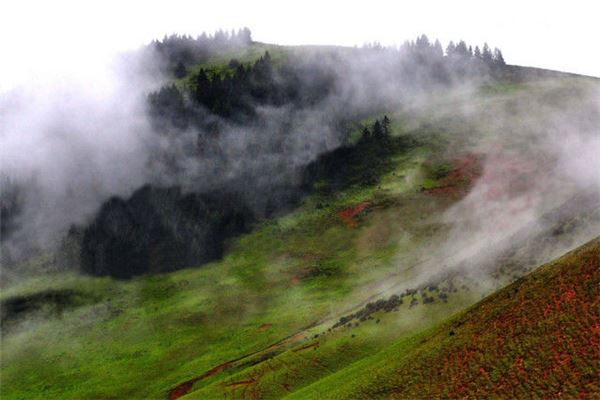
(42, 39)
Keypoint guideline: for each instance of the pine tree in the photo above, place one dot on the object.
(461, 49)
(377, 129)
(180, 71)
(486, 54)
(385, 125)
(498, 58)
(451, 49)
(437, 49)
(477, 53)
(423, 42)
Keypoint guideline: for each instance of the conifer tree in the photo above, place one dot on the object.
(385, 125)
(486, 54)
(377, 129)
(498, 58)
(451, 49)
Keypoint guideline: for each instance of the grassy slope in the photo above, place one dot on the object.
(538, 337)
(142, 337)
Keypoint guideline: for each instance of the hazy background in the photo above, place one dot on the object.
(40, 39)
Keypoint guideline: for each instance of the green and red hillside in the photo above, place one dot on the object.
(538, 337)
(406, 264)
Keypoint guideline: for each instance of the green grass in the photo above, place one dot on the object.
(218, 65)
(295, 275)
(536, 337)
(145, 335)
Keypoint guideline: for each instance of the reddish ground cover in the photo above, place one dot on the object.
(538, 338)
(264, 327)
(460, 180)
(349, 215)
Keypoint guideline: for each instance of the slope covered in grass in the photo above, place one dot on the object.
(260, 321)
(537, 338)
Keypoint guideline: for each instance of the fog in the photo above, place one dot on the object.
(75, 140)
(538, 194)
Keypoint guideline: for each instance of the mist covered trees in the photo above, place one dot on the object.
(261, 115)
(378, 131)
(235, 95)
(181, 51)
(12, 197)
(235, 92)
(159, 230)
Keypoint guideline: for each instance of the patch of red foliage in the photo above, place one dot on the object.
(510, 174)
(350, 214)
(460, 180)
(265, 326)
(537, 338)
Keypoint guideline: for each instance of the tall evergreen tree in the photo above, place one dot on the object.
(423, 42)
(450, 49)
(437, 49)
(377, 129)
(486, 54)
(461, 49)
(180, 71)
(498, 58)
(385, 125)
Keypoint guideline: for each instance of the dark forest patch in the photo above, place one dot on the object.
(161, 229)
(48, 302)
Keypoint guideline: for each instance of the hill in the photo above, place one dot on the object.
(538, 337)
(389, 233)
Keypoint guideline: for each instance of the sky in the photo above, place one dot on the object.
(54, 40)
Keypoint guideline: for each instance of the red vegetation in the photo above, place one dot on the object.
(264, 327)
(460, 180)
(349, 215)
(537, 338)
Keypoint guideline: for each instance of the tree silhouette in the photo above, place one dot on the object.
(377, 129)
(498, 58)
(486, 54)
(450, 49)
(180, 71)
(385, 125)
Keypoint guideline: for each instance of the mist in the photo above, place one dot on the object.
(537, 195)
(72, 142)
